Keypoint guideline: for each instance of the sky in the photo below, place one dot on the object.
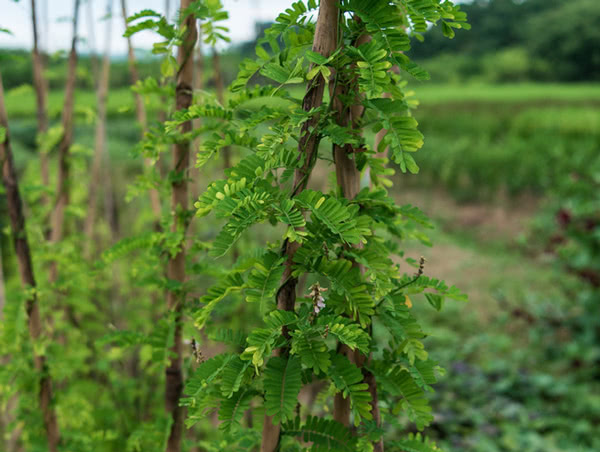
(16, 16)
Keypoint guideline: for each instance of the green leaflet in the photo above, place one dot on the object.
(399, 382)
(415, 442)
(199, 396)
(143, 13)
(204, 374)
(349, 294)
(197, 112)
(230, 337)
(282, 383)
(346, 331)
(231, 410)
(310, 346)
(233, 375)
(231, 283)
(128, 245)
(325, 433)
(248, 211)
(422, 372)
(400, 322)
(294, 15)
(348, 379)
(372, 68)
(264, 280)
(288, 214)
(261, 340)
(443, 291)
(333, 214)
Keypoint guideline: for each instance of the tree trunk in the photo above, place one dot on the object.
(62, 190)
(325, 41)
(141, 115)
(179, 207)
(41, 95)
(348, 179)
(100, 140)
(21, 245)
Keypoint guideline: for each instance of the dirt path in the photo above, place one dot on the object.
(475, 248)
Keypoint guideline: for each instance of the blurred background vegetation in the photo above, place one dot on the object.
(510, 172)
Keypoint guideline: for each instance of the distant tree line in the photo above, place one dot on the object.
(513, 40)
(510, 41)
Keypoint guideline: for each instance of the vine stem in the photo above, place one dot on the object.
(348, 180)
(179, 203)
(324, 42)
(62, 189)
(397, 290)
(41, 96)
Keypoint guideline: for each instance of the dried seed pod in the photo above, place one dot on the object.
(197, 352)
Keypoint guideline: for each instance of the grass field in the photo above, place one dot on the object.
(430, 94)
(20, 102)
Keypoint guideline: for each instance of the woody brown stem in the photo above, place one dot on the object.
(41, 94)
(179, 207)
(348, 180)
(325, 41)
(62, 189)
(22, 251)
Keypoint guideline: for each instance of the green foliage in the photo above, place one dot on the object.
(263, 281)
(107, 305)
(415, 443)
(333, 235)
(565, 38)
(512, 41)
(348, 379)
(324, 433)
(411, 398)
(232, 410)
(215, 294)
(519, 140)
(282, 383)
